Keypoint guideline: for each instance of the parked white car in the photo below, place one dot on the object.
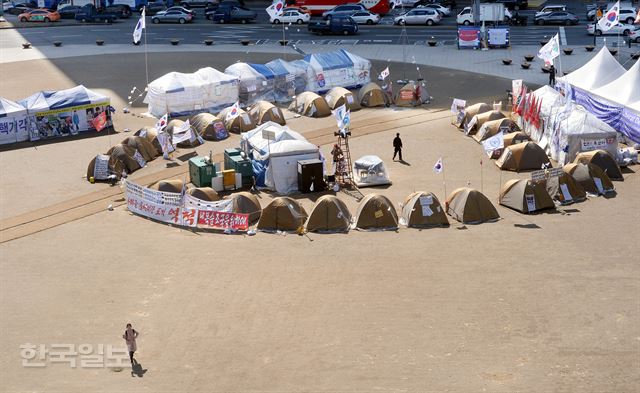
(365, 18)
(627, 15)
(442, 10)
(418, 16)
(620, 28)
(634, 35)
(550, 8)
(291, 16)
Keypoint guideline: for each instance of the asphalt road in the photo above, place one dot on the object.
(263, 32)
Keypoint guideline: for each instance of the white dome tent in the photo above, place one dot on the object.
(370, 171)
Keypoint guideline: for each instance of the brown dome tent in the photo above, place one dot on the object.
(513, 138)
(329, 214)
(174, 125)
(565, 189)
(593, 179)
(470, 206)
(371, 95)
(339, 96)
(282, 214)
(121, 157)
(204, 194)
(310, 104)
(376, 212)
(471, 111)
(525, 196)
(264, 111)
(602, 159)
(210, 127)
(239, 124)
(174, 185)
(522, 156)
(408, 95)
(150, 134)
(493, 127)
(246, 203)
(482, 118)
(142, 145)
(422, 210)
(115, 166)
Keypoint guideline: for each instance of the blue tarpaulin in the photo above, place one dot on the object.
(263, 69)
(330, 60)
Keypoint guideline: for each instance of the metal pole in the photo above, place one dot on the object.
(146, 61)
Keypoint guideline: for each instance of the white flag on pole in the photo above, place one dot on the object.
(343, 116)
(384, 74)
(275, 9)
(550, 50)
(233, 112)
(494, 143)
(439, 166)
(137, 33)
(183, 133)
(610, 18)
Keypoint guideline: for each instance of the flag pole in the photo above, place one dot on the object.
(444, 181)
(481, 174)
(146, 61)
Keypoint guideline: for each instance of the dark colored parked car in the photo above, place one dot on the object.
(182, 9)
(197, 3)
(21, 8)
(343, 10)
(513, 4)
(155, 7)
(556, 18)
(69, 12)
(234, 14)
(122, 10)
(89, 13)
(211, 9)
(335, 25)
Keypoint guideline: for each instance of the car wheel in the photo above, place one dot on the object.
(83, 20)
(276, 21)
(466, 23)
(540, 22)
(244, 21)
(345, 32)
(182, 21)
(598, 32)
(568, 23)
(299, 21)
(626, 32)
(47, 20)
(401, 22)
(638, 40)
(630, 21)
(221, 21)
(369, 22)
(23, 19)
(429, 22)
(155, 20)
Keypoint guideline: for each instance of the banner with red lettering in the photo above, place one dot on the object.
(164, 213)
(223, 220)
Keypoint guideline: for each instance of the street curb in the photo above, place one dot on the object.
(16, 27)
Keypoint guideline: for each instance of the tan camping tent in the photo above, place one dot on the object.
(330, 214)
(565, 189)
(376, 212)
(282, 214)
(593, 179)
(408, 95)
(339, 96)
(239, 124)
(371, 95)
(174, 125)
(142, 145)
(470, 206)
(174, 185)
(523, 156)
(525, 196)
(310, 104)
(246, 203)
(204, 194)
(482, 118)
(150, 134)
(121, 156)
(264, 111)
(602, 159)
(513, 138)
(422, 210)
(493, 127)
(208, 126)
(473, 110)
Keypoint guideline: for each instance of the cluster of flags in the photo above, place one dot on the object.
(528, 106)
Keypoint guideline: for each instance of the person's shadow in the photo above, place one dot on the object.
(137, 370)
(403, 162)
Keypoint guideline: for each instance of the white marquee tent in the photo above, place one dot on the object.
(14, 123)
(603, 68)
(624, 91)
(180, 94)
(256, 82)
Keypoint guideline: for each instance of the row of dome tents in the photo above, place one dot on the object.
(51, 114)
(207, 89)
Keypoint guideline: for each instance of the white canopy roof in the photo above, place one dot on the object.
(625, 90)
(603, 68)
(253, 139)
(8, 107)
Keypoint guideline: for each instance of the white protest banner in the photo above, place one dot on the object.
(543, 174)
(183, 133)
(458, 106)
(426, 200)
(494, 143)
(566, 195)
(138, 157)
(158, 205)
(223, 220)
(101, 167)
(531, 202)
(224, 205)
(598, 182)
(596, 144)
(426, 211)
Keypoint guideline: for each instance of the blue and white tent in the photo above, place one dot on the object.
(14, 125)
(336, 69)
(290, 79)
(55, 113)
(255, 82)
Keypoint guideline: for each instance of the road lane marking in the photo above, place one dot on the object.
(563, 36)
(66, 36)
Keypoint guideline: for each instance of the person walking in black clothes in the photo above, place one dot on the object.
(397, 147)
(552, 76)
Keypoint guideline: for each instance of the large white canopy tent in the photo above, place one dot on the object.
(14, 124)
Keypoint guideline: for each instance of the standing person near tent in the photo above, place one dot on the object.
(397, 147)
(130, 335)
(76, 120)
(552, 76)
(598, 14)
(338, 160)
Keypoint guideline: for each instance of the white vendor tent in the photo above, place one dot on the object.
(64, 112)
(290, 79)
(336, 69)
(603, 68)
(180, 94)
(256, 82)
(254, 142)
(14, 123)
(370, 171)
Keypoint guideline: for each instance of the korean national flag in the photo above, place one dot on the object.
(137, 33)
(439, 166)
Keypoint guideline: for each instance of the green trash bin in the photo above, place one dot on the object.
(201, 172)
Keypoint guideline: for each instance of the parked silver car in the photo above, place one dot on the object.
(172, 16)
(365, 17)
